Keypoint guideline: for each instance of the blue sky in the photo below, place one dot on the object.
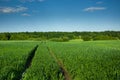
(59, 15)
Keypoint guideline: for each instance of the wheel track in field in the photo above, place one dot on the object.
(28, 61)
(60, 63)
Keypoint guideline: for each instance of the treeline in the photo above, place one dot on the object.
(61, 36)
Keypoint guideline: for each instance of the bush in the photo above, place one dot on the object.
(56, 39)
(65, 39)
(105, 37)
(62, 39)
(87, 38)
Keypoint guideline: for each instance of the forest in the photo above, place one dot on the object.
(61, 36)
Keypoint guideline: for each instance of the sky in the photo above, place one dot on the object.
(59, 15)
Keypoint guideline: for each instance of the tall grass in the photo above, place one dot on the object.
(13, 56)
(99, 60)
(90, 60)
(43, 66)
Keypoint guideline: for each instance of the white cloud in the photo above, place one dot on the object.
(12, 9)
(92, 9)
(31, 0)
(25, 14)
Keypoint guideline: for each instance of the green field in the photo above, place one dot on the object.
(73, 60)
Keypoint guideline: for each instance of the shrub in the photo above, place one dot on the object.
(62, 39)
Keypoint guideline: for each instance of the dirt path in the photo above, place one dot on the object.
(59, 62)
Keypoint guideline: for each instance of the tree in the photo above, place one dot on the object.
(8, 36)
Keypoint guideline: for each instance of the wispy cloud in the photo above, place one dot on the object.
(12, 9)
(31, 0)
(92, 9)
(25, 14)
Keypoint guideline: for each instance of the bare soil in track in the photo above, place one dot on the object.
(60, 63)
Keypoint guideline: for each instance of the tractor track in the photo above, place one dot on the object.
(28, 61)
(63, 70)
